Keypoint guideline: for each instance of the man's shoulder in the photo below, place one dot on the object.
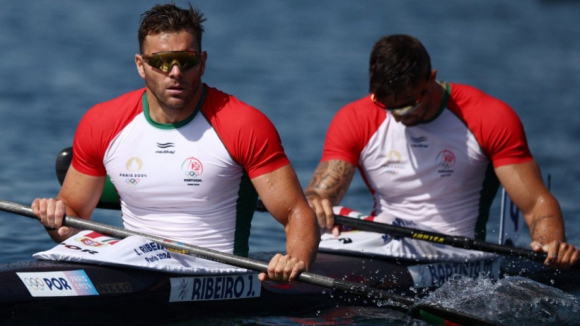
(220, 99)
(363, 102)
(223, 106)
(493, 122)
(472, 95)
(121, 108)
(466, 100)
(362, 109)
(131, 97)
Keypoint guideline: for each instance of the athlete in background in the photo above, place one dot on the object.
(187, 160)
(432, 152)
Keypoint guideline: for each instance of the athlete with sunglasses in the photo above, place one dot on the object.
(187, 160)
(432, 154)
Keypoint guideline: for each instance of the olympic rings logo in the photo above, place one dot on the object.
(34, 282)
(132, 181)
(190, 174)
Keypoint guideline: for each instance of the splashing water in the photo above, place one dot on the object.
(513, 301)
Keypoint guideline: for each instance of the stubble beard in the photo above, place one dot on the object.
(172, 104)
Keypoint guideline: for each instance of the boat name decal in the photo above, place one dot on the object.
(208, 288)
(58, 284)
(435, 274)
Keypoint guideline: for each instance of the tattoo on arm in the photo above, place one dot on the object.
(331, 180)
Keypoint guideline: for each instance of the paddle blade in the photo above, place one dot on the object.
(109, 198)
(63, 160)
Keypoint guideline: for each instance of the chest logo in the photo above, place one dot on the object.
(393, 162)
(419, 142)
(165, 148)
(393, 157)
(445, 161)
(133, 167)
(193, 169)
(134, 164)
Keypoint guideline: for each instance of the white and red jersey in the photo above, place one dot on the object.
(188, 181)
(438, 173)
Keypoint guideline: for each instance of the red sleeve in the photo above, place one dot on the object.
(495, 125)
(97, 129)
(350, 130)
(249, 136)
(87, 153)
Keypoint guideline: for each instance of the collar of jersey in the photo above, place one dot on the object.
(176, 125)
(443, 104)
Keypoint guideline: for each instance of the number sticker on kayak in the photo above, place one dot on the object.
(205, 288)
(58, 284)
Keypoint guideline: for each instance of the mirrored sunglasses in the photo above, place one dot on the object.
(164, 61)
(405, 110)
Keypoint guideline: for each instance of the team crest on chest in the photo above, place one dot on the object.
(445, 161)
(193, 169)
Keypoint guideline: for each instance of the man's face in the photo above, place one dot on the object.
(410, 108)
(172, 77)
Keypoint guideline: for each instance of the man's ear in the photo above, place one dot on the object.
(203, 60)
(140, 65)
(433, 75)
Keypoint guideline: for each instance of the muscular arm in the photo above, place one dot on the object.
(282, 195)
(523, 183)
(78, 197)
(326, 189)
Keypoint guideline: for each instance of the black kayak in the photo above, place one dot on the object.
(41, 291)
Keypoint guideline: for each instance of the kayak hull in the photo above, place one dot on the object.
(141, 296)
(137, 296)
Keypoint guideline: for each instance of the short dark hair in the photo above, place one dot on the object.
(170, 18)
(397, 63)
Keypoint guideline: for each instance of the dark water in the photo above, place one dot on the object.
(298, 61)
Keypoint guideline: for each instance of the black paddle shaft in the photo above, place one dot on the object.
(434, 237)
